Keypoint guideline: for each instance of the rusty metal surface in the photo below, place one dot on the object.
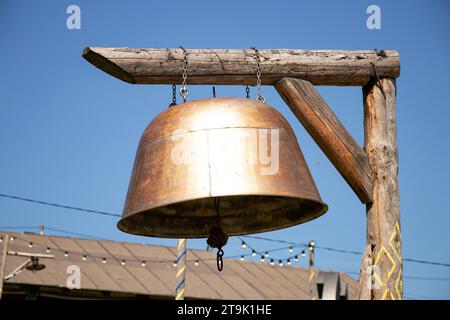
(209, 148)
(239, 280)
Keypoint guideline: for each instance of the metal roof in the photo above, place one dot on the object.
(238, 280)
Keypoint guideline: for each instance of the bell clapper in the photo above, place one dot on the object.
(217, 238)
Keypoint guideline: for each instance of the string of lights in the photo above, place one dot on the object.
(264, 255)
(293, 244)
(442, 264)
(85, 256)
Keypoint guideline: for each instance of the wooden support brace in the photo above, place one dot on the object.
(238, 67)
(329, 133)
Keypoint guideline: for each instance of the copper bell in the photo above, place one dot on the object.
(240, 151)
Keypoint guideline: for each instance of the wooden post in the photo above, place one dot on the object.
(3, 263)
(329, 134)
(181, 269)
(383, 214)
(312, 273)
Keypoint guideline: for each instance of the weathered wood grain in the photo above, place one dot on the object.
(312, 276)
(383, 214)
(329, 133)
(363, 288)
(238, 67)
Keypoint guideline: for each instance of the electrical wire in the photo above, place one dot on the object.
(57, 205)
(409, 277)
(74, 233)
(9, 196)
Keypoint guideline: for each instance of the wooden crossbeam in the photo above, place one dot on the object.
(329, 133)
(238, 67)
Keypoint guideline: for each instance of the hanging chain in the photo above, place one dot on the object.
(174, 96)
(247, 91)
(259, 97)
(184, 91)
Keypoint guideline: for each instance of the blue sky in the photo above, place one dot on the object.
(68, 132)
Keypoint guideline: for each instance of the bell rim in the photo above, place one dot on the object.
(309, 217)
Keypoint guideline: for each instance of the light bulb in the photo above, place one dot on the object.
(175, 264)
(280, 263)
(303, 253)
(262, 259)
(122, 262)
(253, 253)
(143, 263)
(84, 258)
(296, 258)
(196, 263)
(266, 254)
(48, 250)
(291, 250)
(66, 254)
(30, 245)
(243, 245)
(272, 262)
(288, 262)
(104, 260)
(242, 258)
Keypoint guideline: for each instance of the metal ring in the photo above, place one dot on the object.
(184, 92)
(219, 259)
